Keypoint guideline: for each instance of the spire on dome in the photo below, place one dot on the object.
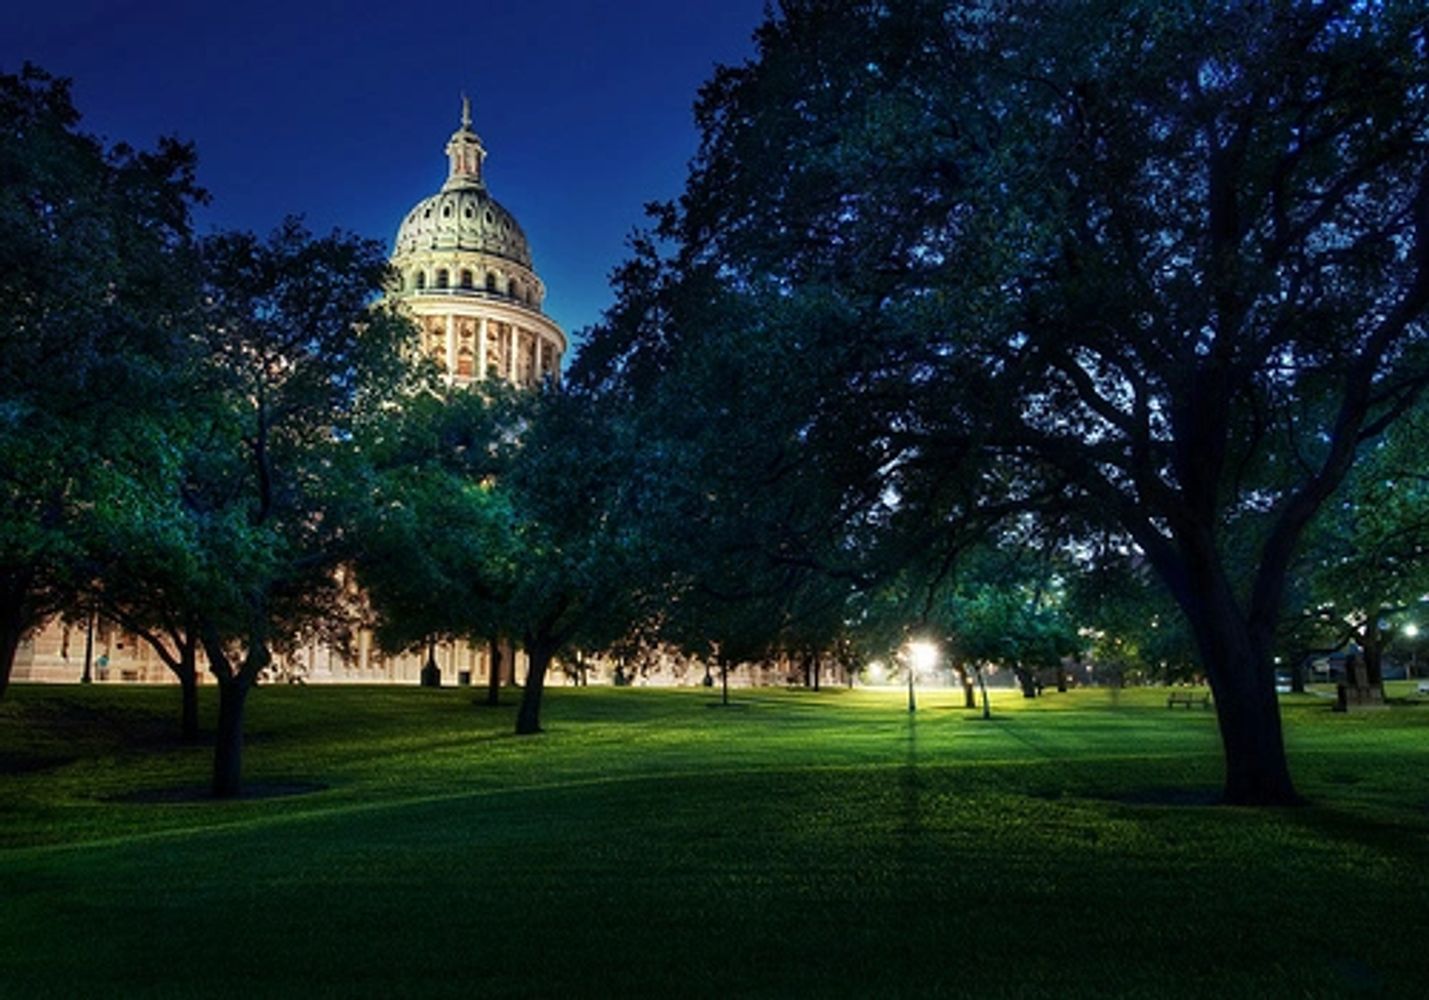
(465, 153)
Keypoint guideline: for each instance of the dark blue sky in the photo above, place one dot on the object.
(339, 111)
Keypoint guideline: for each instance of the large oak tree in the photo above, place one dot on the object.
(1169, 261)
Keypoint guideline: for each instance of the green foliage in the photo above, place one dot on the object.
(1162, 267)
(296, 360)
(1365, 567)
(436, 535)
(96, 282)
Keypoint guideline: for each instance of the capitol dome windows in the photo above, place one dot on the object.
(442, 278)
(421, 281)
(491, 281)
(465, 278)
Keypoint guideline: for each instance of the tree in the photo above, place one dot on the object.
(1134, 627)
(1365, 565)
(297, 355)
(96, 287)
(145, 564)
(1171, 262)
(435, 558)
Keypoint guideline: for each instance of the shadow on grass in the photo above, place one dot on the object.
(32, 765)
(252, 791)
(1195, 798)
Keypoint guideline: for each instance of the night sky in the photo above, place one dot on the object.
(340, 111)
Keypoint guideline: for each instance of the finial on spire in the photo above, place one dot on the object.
(465, 111)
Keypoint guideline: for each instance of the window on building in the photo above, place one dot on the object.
(511, 289)
(465, 278)
(421, 280)
(442, 278)
(491, 281)
(465, 363)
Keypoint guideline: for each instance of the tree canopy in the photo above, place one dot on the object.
(1168, 265)
(96, 279)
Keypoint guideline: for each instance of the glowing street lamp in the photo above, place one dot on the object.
(921, 655)
(1411, 631)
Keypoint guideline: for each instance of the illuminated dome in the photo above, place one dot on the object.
(466, 278)
(463, 218)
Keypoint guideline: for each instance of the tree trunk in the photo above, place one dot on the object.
(1027, 681)
(228, 745)
(1242, 678)
(10, 632)
(188, 690)
(88, 676)
(1235, 650)
(969, 695)
(723, 682)
(538, 659)
(1374, 656)
(14, 621)
(982, 683)
(431, 674)
(818, 666)
(1061, 678)
(1297, 676)
(1257, 772)
(493, 677)
(233, 688)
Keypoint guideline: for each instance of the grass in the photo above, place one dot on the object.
(651, 843)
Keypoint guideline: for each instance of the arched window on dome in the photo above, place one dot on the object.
(465, 278)
(511, 289)
(491, 281)
(443, 279)
(421, 281)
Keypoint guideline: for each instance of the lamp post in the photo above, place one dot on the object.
(1411, 632)
(922, 655)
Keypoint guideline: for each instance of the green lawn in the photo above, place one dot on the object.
(653, 843)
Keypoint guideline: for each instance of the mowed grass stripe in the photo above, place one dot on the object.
(649, 845)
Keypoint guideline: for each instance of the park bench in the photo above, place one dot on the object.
(1189, 698)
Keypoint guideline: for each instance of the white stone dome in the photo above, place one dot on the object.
(463, 217)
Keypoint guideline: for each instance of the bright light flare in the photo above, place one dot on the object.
(877, 671)
(922, 655)
(1411, 630)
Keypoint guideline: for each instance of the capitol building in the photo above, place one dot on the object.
(467, 280)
